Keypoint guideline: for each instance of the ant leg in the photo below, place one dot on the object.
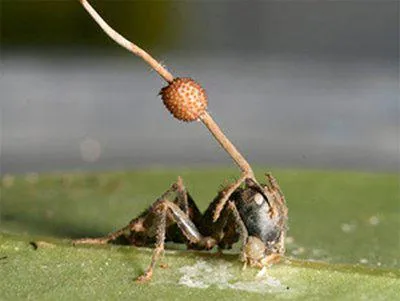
(279, 201)
(243, 233)
(228, 229)
(247, 177)
(274, 186)
(182, 196)
(240, 226)
(103, 240)
(163, 209)
(136, 225)
(279, 204)
(186, 203)
(160, 238)
(226, 193)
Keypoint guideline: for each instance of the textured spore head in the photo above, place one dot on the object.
(185, 99)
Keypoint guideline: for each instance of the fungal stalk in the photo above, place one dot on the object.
(186, 100)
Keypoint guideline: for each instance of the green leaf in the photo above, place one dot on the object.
(343, 240)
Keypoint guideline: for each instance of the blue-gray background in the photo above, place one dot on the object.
(293, 83)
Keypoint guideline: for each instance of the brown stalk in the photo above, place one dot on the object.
(207, 120)
(119, 39)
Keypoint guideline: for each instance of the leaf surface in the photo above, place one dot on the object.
(343, 242)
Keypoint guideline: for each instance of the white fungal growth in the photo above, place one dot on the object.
(298, 251)
(289, 240)
(347, 228)
(259, 199)
(203, 275)
(373, 220)
(363, 260)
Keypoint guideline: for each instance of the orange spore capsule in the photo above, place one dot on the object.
(185, 99)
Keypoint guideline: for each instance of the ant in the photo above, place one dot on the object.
(245, 211)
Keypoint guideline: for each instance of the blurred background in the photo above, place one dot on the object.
(310, 84)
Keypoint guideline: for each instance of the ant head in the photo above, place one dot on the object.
(255, 252)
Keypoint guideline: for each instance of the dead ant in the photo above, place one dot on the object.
(248, 211)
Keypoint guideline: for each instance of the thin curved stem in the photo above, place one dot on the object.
(164, 73)
(226, 144)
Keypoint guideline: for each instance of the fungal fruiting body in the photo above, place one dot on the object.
(185, 99)
(245, 210)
